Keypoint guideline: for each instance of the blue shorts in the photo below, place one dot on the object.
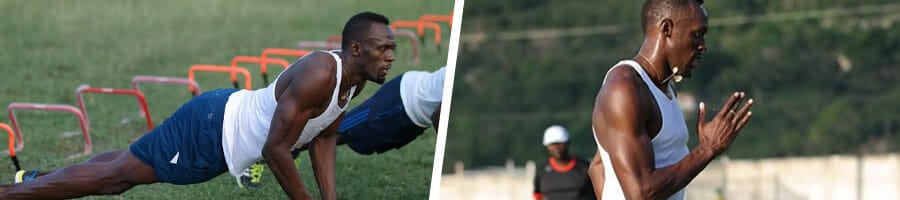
(380, 123)
(187, 147)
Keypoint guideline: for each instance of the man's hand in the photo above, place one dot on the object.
(717, 135)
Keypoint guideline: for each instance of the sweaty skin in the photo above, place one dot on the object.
(626, 116)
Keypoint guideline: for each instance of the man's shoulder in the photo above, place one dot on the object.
(321, 60)
(621, 76)
(312, 77)
(318, 66)
(621, 91)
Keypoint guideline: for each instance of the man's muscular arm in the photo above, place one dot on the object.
(322, 153)
(310, 88)
(622, 117)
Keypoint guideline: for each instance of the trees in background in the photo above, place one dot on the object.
(825, 84)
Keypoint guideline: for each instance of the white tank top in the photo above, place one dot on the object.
(669, 145)
(421, 93)
(248, 116)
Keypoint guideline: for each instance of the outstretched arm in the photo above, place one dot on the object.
(322, 154)
(297, 104)
(620, 121)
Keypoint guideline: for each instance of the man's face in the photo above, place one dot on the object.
(377, 52)
(687, 41)
(557, 150)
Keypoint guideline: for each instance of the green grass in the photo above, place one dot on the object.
(48, 48)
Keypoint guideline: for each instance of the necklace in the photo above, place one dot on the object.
(652, 66)
(666, 80)
(344, 95)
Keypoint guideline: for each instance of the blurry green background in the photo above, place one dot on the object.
(824, 75)
(48, 48)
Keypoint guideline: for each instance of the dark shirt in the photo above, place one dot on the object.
(560, 181)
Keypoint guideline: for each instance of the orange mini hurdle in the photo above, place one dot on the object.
(12, 145)
(164, 80)
(82, 120)
(145, 111)
(263, 62)
(305, 44)
(420, 28)
(437, 18)
(216, 68)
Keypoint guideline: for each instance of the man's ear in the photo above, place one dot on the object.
(665, 27)
(355, 49)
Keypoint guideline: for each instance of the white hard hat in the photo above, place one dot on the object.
(555, 134)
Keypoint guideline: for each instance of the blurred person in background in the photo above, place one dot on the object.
(564, 176)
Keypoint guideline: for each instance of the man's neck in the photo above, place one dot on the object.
(654, 65)
(351, 72)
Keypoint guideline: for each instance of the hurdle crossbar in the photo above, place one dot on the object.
(137, 80)
(437, 18)
(420, 28)
(263, 63)
(335, 38)
(82, 120)
(216, 68)
(142, 101)
(305, 44)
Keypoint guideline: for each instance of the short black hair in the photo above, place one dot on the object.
(655, 10)
(358, 26)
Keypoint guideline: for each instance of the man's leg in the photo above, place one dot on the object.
(88, 178)
(102, 157)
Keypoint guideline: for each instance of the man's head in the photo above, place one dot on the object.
(679, 27)
(368, 38)
(556, 139)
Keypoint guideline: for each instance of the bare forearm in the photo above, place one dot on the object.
(595, 172)
(285, 172)
(322, 155)
(666, 181)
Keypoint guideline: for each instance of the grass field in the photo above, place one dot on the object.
(48, 48)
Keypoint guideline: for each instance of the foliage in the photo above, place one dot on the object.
(507, 91)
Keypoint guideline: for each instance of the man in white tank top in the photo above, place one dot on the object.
(227, 130)
(640, 131)
(400, 111)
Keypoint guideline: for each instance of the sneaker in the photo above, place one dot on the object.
(252, 177)
(22, 175)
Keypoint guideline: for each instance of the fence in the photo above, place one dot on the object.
(874, 177)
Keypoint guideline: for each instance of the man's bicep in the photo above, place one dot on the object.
(296, 105)
(287, 123)
(622, 134)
